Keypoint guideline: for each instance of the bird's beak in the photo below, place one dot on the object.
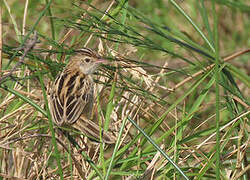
(102, 61)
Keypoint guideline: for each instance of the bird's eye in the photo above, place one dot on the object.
(87, 60)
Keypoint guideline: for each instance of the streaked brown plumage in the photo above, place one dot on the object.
(71, 95)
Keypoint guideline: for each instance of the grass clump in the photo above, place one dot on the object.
(176, 94)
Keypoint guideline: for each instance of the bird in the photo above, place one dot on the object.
(71, 95)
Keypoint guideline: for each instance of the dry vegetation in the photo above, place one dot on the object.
(162, 79)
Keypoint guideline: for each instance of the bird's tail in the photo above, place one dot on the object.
(92, 130)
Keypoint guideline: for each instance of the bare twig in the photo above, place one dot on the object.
(242, 172)
(28, 46)
(228, 58)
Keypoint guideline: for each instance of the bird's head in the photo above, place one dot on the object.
(88, 60)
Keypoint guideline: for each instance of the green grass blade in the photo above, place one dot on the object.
(51, 22)
(57, 154)
(217, 91)
(18, 33)
(239, 74)
(193, 24)
(110, 106)
(24, 98)
(112, 160)
(204, 16)
(192, 88)
(158, 148)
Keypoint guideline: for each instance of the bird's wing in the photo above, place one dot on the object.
(68, 97)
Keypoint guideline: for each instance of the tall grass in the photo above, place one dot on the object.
(175, 95)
